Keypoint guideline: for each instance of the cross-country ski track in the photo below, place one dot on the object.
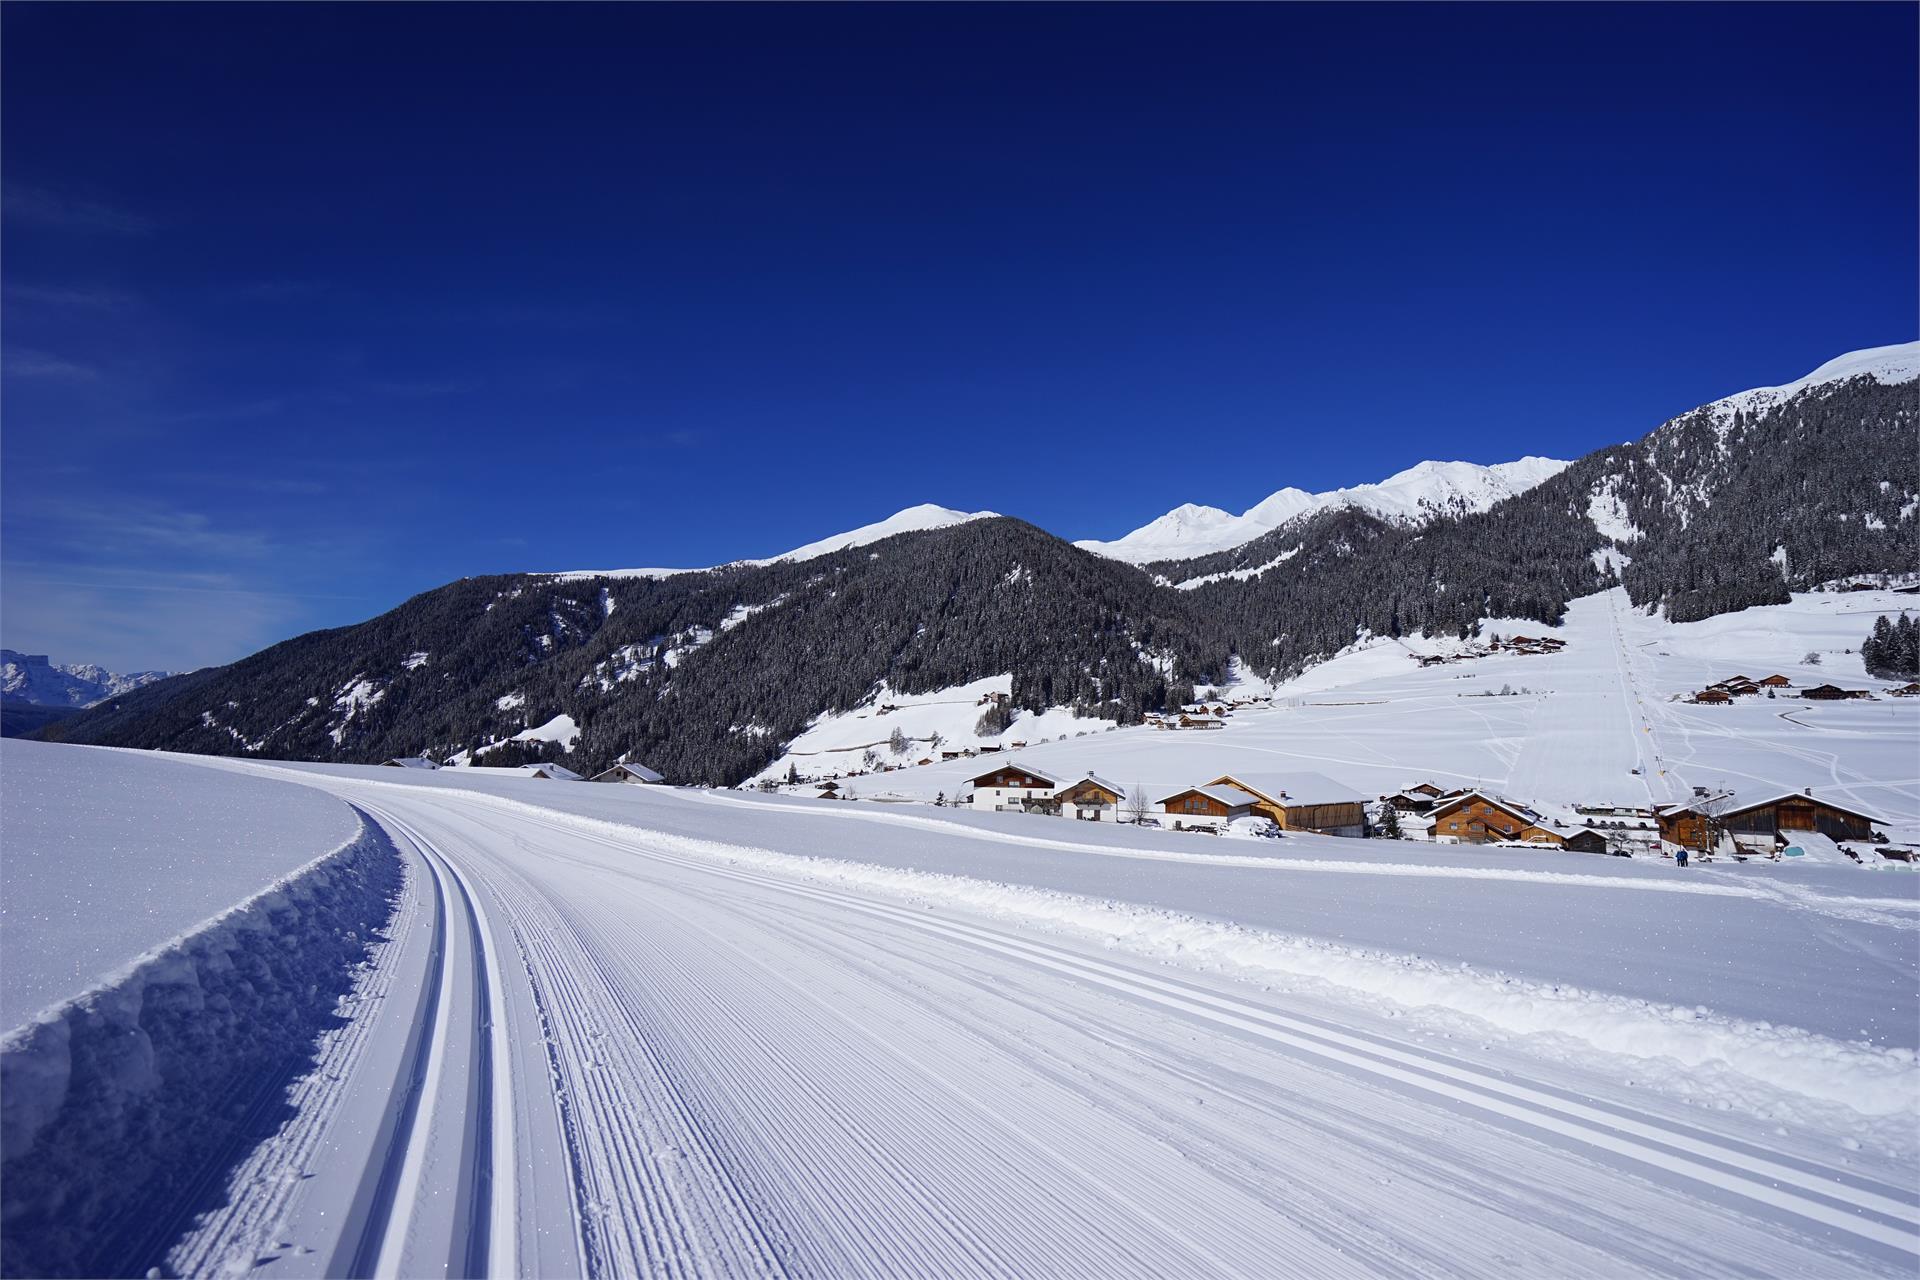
(605, 1052)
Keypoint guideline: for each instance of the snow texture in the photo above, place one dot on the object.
(110, 854)
(120, 1110)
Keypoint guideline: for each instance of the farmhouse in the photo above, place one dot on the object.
(1202, 722)
(829, 791)
(1418, 798)
(1713, 696)
(411, 762)
(1208, 806)
(1907, 690)
(1011, 785)
(627, 773)
(1092, 799)
(1303, 801)
(1776, 681)
(1477, 817)
(1828, 693)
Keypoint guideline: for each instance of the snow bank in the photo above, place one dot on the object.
(136, 1096)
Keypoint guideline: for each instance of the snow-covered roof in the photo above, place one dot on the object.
(1742, 804)
(639, 771)
(1097, 781)
(412, 762)
(1232, 797)
(558, 772)
(1015, 766)
(1295, 788)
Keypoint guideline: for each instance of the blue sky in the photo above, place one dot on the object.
(310, 308)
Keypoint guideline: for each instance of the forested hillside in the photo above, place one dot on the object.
(706, 675)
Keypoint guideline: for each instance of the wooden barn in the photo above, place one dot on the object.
(1799, 811)
(1303, 801)
(1689, 825)
(1208, 806)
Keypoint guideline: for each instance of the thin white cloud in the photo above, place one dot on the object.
(24, 362)
(83, 299)
(43, 207)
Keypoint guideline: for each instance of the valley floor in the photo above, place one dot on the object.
(619, 1030)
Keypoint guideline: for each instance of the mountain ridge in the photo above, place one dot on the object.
(705, 675)
(34, 678)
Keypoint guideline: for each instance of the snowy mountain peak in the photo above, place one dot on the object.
(1889, 366)
(32, 677)
(1413, 496)
(911, 520)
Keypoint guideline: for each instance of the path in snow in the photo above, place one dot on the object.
(645, 1055)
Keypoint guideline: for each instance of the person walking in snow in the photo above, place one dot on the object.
(1680, 856)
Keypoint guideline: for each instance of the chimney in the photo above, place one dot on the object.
(1806, 791)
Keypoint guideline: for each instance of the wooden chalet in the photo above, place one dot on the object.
(1092, 799)
(1825, 693)
(1208, 806)
(1775, 681)
(637, 773)
(410, 762)
(1584, 840)
(1303, 801)
(1202, 722)
(1907, 690)
(1477, 817)
(1713, 697)
(1684, 824)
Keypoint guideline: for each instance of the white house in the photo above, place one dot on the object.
(1092, 799)
(1010, 785)
(627, 773)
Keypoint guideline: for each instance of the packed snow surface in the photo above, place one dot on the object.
(772, 1035)
(1411, 496)
(110, 854)
(912, 520)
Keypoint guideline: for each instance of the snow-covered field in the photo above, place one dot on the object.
(1572, 728)
(107, 861)
(615, 1029)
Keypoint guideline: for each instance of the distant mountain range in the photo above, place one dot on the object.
(32, 677)
(1414, 496)
(706, 674)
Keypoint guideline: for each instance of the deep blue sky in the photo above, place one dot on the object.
(308, 308)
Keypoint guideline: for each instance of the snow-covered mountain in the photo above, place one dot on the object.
(912, 520)
(1413, 496)
(31, 677)
(1888, 366)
